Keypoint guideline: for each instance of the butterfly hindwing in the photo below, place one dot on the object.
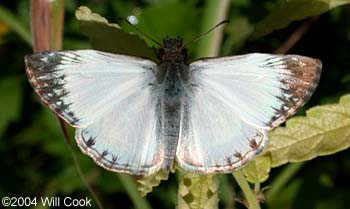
(214, 139)
(127, 138)
(109, 98)
(232, 102)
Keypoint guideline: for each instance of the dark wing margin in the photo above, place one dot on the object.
(297, 88)
(47, 81)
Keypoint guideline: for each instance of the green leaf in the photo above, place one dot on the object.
(197, 191)
(11, 97)
(147, 183)
(258, 170)
(291, 10)
(109, 37)
(238, 31)
(177, 18)
(324, 130)
(15, 24)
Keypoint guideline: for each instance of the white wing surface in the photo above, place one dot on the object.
(232, 102)
(109, 98)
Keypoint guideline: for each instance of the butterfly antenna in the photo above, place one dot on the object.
(141, 32)
(205, 33)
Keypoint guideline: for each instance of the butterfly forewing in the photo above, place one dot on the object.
(111, 101)
(232, 102)
(76, 84)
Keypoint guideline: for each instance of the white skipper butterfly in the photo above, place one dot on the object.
(136, 116)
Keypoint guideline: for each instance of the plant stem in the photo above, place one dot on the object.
(256, 187)
(47, 28)
(282, 179)
(248, 193)
(214, 12)
(296, 36)
(130, 187)
(47, 24)
(81, 174)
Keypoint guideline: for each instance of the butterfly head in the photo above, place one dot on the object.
(173, 50)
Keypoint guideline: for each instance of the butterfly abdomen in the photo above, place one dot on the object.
(170, 132)
(171, 106)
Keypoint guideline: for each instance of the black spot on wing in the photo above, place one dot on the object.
(253, 144)
(104, 153)
(238, 155)
(229, 160)
(90, 142)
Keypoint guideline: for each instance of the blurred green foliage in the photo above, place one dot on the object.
(35, 159)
